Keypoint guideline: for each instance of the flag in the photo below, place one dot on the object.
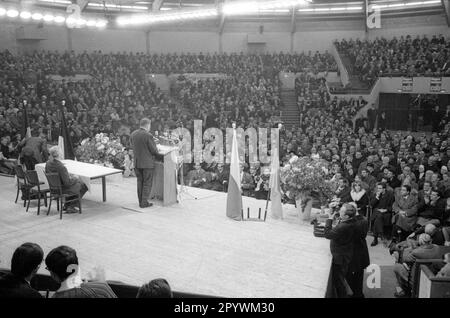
(64, 141)
(234, 197)
(26, 130)
(274, 185)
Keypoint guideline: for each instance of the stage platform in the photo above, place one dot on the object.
(192, 244)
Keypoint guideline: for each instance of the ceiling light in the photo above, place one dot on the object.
(49, 18)
(12, 13)
(60, 19)
(37, 16)
(2, 12)
(25, 15)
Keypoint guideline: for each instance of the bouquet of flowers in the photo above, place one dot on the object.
(102, 150)
(304, 178)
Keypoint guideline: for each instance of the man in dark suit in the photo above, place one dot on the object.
(145, 151)
(372, 116)
(70, 184)
(341, 245)
(360, 259)
(34, 150)
(382, 212)
(24, 265)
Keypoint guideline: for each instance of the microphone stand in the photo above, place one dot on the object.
(183, 188)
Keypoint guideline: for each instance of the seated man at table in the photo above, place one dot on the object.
(70, 184)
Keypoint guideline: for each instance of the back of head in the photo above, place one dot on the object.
(145, 122)
(424, 239)
(157, 288)
(429, 229)
(26, 258)
(54, 152)
(350, 210)
(59, 260)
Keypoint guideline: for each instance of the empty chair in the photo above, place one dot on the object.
(35, 189)
(22, 184)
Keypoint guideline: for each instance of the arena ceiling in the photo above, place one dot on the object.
(317, 10)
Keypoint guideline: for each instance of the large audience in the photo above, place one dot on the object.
(400, 180)
(419, 56)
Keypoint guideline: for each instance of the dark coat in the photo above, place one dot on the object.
(362, 203)
(144, 148)
(35, 147)
(429, 211)
(360, 259)
(12, 286)
(68, 184)
(409, 205)
(341, 241)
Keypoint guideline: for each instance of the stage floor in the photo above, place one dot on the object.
(192, 244)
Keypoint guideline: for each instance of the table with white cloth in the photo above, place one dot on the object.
(85, 171)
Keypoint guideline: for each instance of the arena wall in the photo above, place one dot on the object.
(309, 35)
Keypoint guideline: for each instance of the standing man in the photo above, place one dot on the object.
(145, 151)
(341, 245)
(34, 150)
(372, 116)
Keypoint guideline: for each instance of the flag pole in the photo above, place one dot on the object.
(272, 174)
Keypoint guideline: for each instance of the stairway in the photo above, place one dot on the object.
(290, 115)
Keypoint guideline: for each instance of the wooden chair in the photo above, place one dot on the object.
(34, 183)
(22, 184)
(57, 193)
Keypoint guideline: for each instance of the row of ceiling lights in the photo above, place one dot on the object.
(228, 9)
(51, 18)
(246, 8)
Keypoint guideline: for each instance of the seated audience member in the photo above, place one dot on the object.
(360, 197)
(70, 184)
(62, 263)
(445, 271)
(247, 182)
(262, 184)
(425, 250)
(438, 234)
(341, 245)
(156, 288)
(431, 209)
(25, 263)
(382, 210)
(360, 259)
(220, 179)
(405, 213)
(197, 177)
(343, 190)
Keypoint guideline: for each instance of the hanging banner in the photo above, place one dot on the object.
(435, 85)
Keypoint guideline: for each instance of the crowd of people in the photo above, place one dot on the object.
(64, 269)
(419, 56)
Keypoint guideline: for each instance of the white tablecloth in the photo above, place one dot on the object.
(85, 171)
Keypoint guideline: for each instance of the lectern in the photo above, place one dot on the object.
(164, 185)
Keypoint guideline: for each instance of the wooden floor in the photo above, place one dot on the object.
(192, 244)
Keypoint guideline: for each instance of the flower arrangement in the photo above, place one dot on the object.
(305, 177)
(102, 150)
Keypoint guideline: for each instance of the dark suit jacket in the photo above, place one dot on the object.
(12, 286)
(360, 259)
(38, 146)
(385, 201)
(144, 148)
(58, 167)
(341, 241)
